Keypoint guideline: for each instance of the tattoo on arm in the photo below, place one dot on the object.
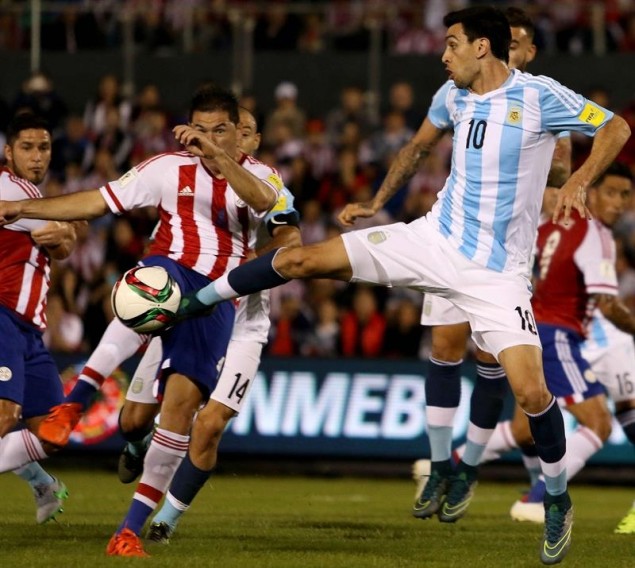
(402, 169)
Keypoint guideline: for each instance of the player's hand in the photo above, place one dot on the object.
(10, 212)
(197, 142)
(572, 195)
(353, 211)
(53, 234)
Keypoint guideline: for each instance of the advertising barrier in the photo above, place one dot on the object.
(326, 407)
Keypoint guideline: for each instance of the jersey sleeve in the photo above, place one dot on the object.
(282, 213)
(138, 187)
(595, 257)
(563, 109)
(438, 112)
(13, 188)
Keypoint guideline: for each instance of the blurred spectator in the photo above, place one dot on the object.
(65, 329)
(312, 36)
(401, 98)
(312, 222)
(148, 98)
(384, 144)
(404, 331)
(289, 330)
(324, 336)
(300, 181)
(73, 146)
(276, 29)
(317, 151)
(627, 42)
(345, 22)
(363, 326)
(352, 109)
(108, 97)
(115, 140)
(285, 113)
(152, 135)
(345, 184)
(38, 95)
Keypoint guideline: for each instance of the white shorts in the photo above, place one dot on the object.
(613, 364)
(439, 311)
(238, 373)
(141, 387)
(497, 304)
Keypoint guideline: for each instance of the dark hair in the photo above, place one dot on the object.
(615, 169)
(487, 22)
(518, 18)
(25, 121)
(212, 98)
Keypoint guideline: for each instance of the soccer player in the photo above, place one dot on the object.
(473, 248)
(576, 277)
(450, 334)
(29, 380)
(209, 209)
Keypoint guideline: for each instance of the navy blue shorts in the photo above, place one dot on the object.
(194, 347)
(568, 374)
(28, 374)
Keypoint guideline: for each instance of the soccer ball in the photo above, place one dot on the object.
(146, 298)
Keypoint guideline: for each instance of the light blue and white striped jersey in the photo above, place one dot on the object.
(503, 143)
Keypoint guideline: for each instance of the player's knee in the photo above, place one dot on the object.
(447, 350)
(295, 263)
(533, 397)
(600, 423)
(210, 427)
(134, 425)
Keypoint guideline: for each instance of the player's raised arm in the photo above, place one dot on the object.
(197, 140)
(402, 169)
(607, 144)
(71, 207)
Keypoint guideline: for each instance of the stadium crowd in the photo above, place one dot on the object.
(326, 160)
(407, 26)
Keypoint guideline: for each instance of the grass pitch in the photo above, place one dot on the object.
(298, 522)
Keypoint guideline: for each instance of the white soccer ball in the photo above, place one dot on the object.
(146, 298)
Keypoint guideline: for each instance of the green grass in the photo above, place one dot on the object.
(298, 522)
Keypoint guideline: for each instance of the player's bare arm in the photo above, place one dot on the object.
(58, 237)
(607, 144)
(284, 236)
(614, 310)
(83, 205)
(405, 165)
(249, 188)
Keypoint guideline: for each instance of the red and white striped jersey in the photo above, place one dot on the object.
(24, 267)
(203, 224)
(573, 263)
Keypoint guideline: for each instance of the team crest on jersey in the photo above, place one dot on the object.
(377, 237)
(126, 178)
(5, 374)
(592, 115)
(515, 115)
(589, 376)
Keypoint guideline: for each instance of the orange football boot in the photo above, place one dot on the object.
(126, 543)
(56, 428)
